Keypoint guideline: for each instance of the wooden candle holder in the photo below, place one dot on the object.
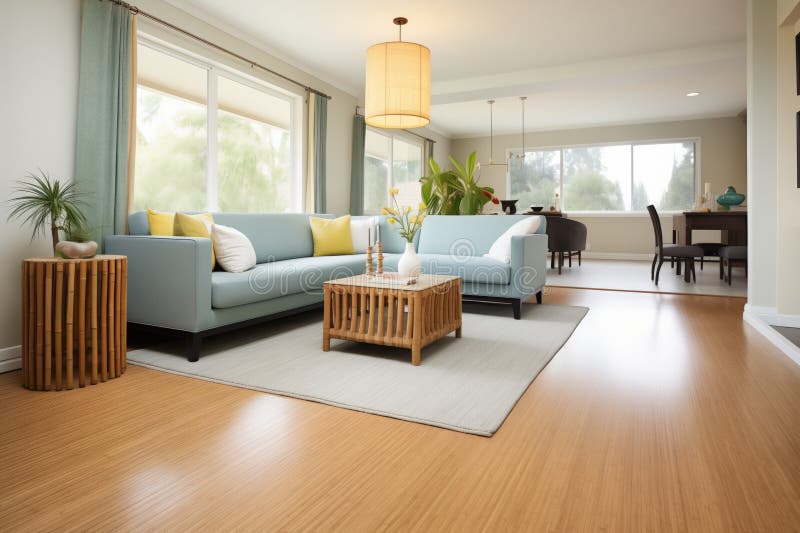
(380, 258)
(369, 261)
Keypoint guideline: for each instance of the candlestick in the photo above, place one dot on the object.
(380, 258)
(369, 261)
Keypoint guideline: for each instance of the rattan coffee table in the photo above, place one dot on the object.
(368, 309)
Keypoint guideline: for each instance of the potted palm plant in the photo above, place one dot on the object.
(46, 203)
(456, 191)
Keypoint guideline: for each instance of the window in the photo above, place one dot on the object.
(609, 178)
(211, 139)
(390, 161)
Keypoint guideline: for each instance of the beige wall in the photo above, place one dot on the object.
(722, 155)
(38, 98)
(788, 194)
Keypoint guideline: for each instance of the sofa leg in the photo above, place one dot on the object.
(539, 297)
(194, 341)
(516, 304)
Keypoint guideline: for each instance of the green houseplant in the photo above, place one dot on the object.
(456, 191)
(46, 203)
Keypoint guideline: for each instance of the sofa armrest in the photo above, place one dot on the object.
(169, 279)
(528, 263)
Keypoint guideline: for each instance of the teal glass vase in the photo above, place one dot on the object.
(729, 198)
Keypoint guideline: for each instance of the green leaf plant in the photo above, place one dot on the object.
(46, 203)
(456, 191)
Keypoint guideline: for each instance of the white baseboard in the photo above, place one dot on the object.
(617, 256)
(771, 316)
(761, 319)
(10, 358)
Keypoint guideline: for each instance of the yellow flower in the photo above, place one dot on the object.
(384, 211)
(392, 221)
(394, 191)
(412, 219)
(408, 209)
(422, 206)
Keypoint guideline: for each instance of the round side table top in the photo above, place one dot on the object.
(63, 260)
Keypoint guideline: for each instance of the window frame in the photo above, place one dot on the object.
(627, 213)
(391, 135)
(214, 69)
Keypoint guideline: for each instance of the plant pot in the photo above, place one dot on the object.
(509, 206)
(76, 250)
(409, 265)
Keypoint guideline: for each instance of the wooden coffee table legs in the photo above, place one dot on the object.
(326, 320)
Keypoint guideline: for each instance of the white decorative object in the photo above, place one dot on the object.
(409, 265)
(501, 249)
(360, 232)
(76, 250)
(234, 251)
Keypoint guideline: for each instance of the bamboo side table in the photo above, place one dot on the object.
(74, 321)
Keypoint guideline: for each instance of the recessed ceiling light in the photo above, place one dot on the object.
(693, 94)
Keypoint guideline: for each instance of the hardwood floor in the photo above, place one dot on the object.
(661, 413)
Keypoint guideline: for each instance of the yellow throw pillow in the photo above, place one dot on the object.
(161, 224)
(331, 236)
(195, 226)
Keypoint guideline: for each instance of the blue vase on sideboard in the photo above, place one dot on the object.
(729, 198)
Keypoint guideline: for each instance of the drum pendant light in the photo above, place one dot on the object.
(398, 84)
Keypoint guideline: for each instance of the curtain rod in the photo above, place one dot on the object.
(136, 11)
(407, 131)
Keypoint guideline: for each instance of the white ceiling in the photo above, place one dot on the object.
(580, 62)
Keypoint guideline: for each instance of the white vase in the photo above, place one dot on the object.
(409, 264)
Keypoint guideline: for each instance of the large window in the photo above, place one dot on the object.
(609, 178)
(390, 161)
(209, 138)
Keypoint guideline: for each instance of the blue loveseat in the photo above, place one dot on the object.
(171, 285)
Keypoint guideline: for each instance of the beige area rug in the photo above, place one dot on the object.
(468, 384)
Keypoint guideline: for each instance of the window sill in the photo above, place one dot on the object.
(618, 214)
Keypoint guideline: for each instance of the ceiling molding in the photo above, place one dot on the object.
(554, 78)
(592, 125)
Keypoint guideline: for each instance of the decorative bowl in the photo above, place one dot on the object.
(729, 197)
(509, 206)
(536, 208)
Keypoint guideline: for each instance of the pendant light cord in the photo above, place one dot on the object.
(491, 131)
(523, 98)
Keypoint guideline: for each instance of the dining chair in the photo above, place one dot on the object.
(687, 254)
(729, 254)
(565, 237)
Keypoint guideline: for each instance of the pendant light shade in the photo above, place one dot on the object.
(398, 84)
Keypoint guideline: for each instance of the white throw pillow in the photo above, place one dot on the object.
(501, 249)
(234, 251)
(359, 229)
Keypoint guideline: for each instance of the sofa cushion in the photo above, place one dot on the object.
(280, 278)
(466, 235)
(331, 236)
(471, 269)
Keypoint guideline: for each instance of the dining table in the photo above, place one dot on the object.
(732, 224)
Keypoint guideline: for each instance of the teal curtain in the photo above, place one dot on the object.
(320, 131)
(357, 166)
(104, 115)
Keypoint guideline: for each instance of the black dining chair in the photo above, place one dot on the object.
(671, 251)
(729, 254)
(565, 237)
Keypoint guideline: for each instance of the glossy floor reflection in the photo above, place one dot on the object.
(661, 413)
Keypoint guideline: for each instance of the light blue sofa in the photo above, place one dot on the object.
(171, 285)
